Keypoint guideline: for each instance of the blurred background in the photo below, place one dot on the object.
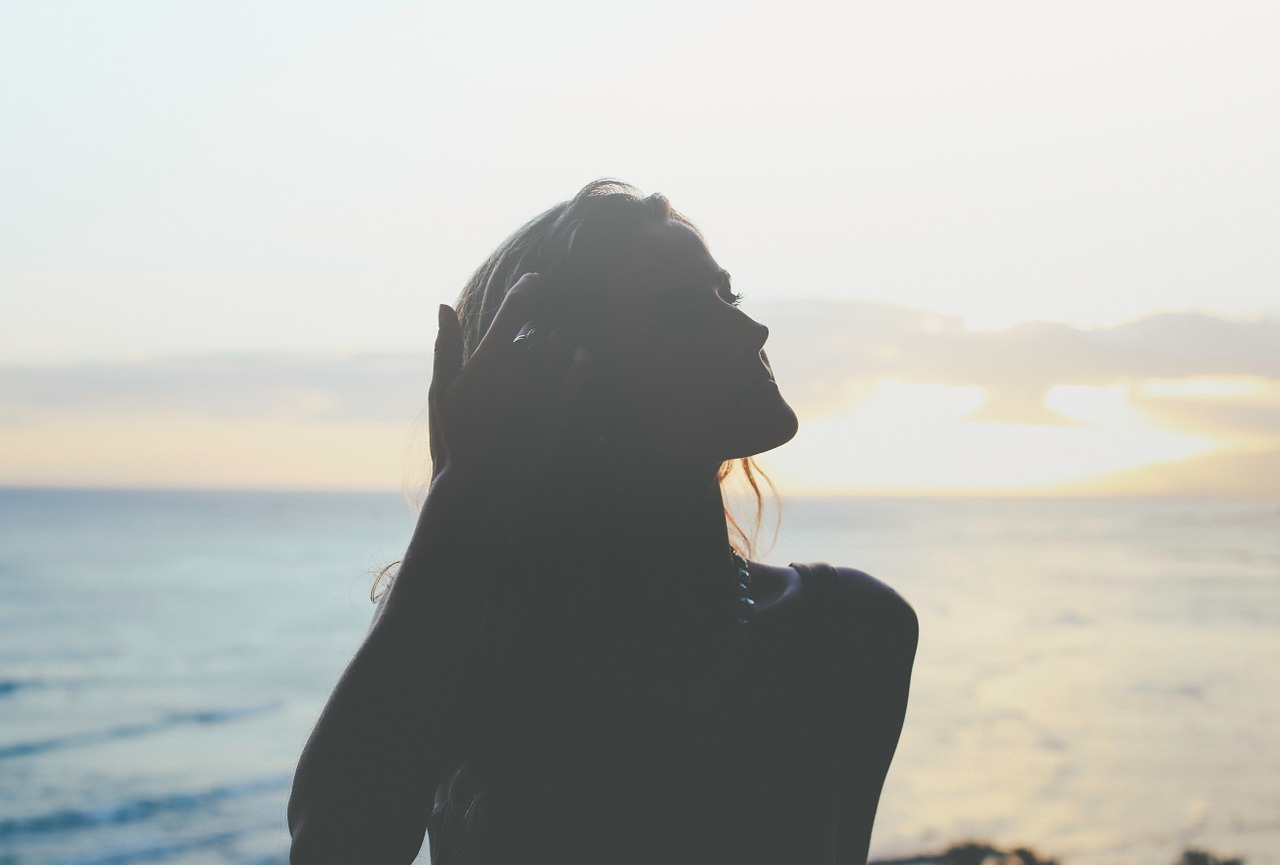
(1019, 262)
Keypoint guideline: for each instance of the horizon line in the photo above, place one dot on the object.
(803, 493)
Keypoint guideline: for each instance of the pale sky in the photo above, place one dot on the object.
(232, 180)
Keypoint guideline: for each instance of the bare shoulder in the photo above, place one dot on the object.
(870, 606)
(875, 599)
(774, 587)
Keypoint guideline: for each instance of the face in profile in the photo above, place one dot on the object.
(688, 364)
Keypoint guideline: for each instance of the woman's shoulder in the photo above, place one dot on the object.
(853, 597)
(832, 637)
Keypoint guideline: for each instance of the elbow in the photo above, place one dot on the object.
(352, 840)
(304, 847)
(301, 852)
(309, 844)
(309, 847)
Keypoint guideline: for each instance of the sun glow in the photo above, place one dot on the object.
(1093, 405)
(891, 437)
(177, 450)
(914, 438)
(1244, 388)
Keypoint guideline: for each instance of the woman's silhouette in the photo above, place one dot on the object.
(573, 665)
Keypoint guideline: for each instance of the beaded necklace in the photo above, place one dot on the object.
(729, 655)
(745, 606)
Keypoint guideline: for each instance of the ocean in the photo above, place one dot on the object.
(1098, 679)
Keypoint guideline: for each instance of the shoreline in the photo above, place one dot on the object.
(983, 853)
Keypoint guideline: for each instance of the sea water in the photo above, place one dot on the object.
(1097, 679)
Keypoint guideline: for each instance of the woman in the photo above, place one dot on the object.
(573, 664)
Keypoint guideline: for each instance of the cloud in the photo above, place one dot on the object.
(828, 356)
(826, 352)
(1245, 475)
(359, 388)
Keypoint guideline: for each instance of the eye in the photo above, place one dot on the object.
(729, 296)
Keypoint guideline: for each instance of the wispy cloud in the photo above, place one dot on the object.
(881, 385)
(359, 388)
(828, 352)
(828, 355)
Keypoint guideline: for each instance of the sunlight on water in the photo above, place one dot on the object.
(1096, 678)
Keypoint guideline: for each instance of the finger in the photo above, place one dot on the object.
(552, 363)
(447, 360)
(556, 415)
(556, 352)
(571, 384)
(531, 341)
(516, 309)
(559, 344)
(445, 366)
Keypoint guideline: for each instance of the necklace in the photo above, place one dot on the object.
(727, 658)
(744, 605)
(701, 667)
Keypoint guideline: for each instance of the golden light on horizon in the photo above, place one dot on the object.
(1250, 388)
(915, 438)
(881, 435)
(896, 438)
(175, 450)
(1095, 405)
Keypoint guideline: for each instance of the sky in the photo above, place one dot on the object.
(1002, 246)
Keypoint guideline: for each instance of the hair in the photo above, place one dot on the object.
(572, 246)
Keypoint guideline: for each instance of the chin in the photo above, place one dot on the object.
(768, 430)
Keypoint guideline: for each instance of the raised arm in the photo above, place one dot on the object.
(366, 779)
(365, 782)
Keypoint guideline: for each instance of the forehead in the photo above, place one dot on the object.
(657, 259)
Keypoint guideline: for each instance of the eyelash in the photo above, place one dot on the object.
(731, 297)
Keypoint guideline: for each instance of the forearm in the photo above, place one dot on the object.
(366, 779)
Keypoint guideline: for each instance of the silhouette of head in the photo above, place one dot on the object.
(679, 372)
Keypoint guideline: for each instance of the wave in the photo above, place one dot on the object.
(135, 810)
(167, 850)
(154, 853)
(129, 731)
(12, 686)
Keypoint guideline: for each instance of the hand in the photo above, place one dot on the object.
(496, 419)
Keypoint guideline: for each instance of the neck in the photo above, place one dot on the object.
(633, 558)
(666, 516)
(669, 512)
(636, 515)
